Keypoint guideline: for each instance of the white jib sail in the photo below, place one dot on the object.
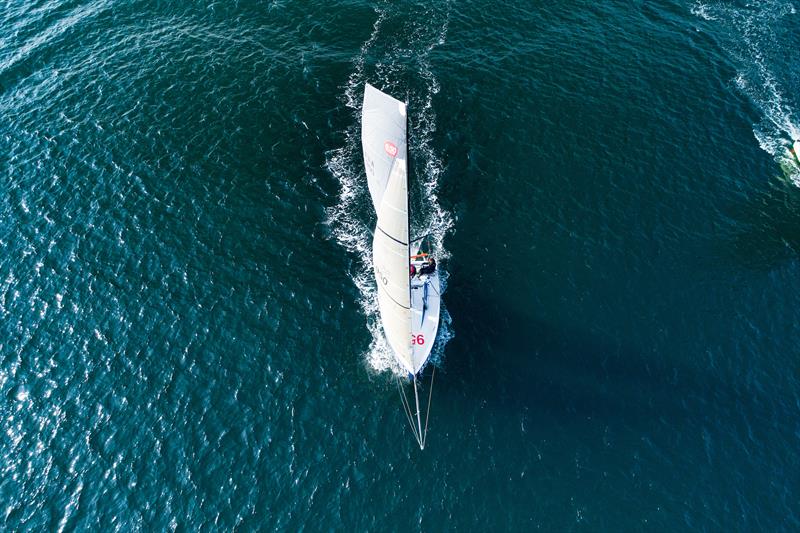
(383, 138)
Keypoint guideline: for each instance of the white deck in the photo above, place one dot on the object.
(425, 293)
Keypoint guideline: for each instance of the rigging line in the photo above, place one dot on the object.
(424, 304)
(419, 421)
(406, 408)
(428, 413)
(434, 289)
(406, 404)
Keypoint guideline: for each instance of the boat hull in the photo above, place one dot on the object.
(425, 302)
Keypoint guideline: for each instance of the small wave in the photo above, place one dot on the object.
(50, 35)
(701, 10)
(350, 220)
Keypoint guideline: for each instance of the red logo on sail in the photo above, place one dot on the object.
(390, 148)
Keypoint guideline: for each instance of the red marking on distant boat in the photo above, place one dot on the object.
(390, 148)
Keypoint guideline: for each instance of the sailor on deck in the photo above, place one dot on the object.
(429, 268)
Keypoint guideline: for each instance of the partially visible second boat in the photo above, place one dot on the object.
(795, 151)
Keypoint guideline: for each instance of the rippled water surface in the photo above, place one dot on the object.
(188, 333)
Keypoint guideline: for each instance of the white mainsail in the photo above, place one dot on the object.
(383, 138)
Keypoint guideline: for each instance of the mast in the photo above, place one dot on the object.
(408, 219)
(419, 418)
(408, 232)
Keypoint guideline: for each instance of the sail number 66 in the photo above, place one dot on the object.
(418, 339)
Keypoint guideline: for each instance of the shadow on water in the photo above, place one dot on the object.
(509, 360)
(767, 227)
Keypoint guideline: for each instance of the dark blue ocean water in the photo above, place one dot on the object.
(188, 334)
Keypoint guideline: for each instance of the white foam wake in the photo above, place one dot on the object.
(754, 43)
(384, 61)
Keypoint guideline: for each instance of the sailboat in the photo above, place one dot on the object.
(794, 152)
(791, 163)
(406, 275)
